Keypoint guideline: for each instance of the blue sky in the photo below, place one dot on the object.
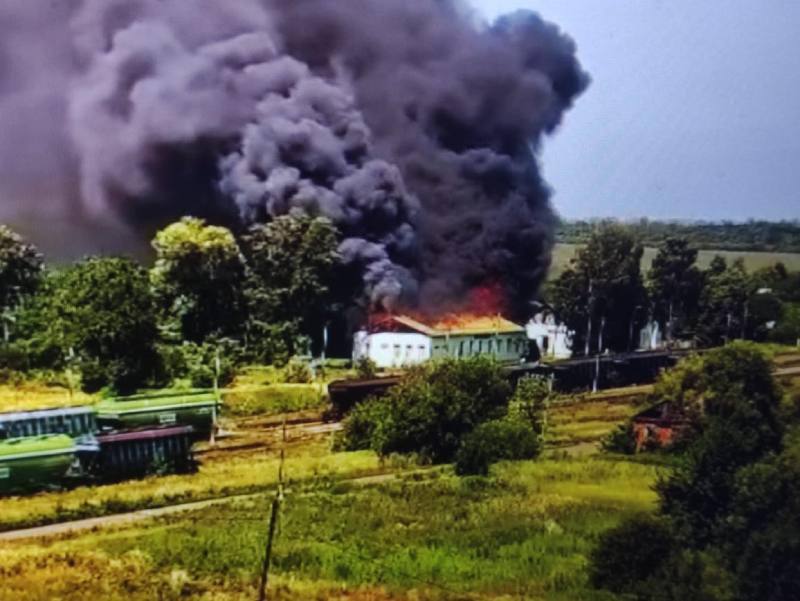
(693, 113)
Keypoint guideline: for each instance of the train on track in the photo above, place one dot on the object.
(571, 375)
(118, 438)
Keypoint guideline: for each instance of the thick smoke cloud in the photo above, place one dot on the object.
(412, 125)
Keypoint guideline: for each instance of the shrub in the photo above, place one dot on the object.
(297, 372)
(359, 427)
(366, 368)
(530, 401)
(496, 440)
(197, 362)
(433, 408)
(628, 556)
(620, 440)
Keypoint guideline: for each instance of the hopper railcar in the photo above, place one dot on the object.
(35, 463)
(119, 438)
(197, 408)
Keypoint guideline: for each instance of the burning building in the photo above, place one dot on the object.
(399, 340)
(414, 127)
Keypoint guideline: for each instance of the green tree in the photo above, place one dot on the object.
(504, 439)
(20, 272)
(674, 286)
(98, 314)
(602, 294)
(723, 302)
(198, 279)
(734, 400)
(762, 541)
(432, 409)
(530, 403)
(291, 263)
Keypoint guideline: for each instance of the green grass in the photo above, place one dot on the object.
(752, 260)
(525, 532)
(586, 421)
(273, 399)
(230, 475)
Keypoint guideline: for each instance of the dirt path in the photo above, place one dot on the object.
(123, 519)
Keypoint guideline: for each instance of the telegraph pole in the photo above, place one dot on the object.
(589, 313)
(273, 521)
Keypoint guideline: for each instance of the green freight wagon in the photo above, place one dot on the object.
(197, 409)
(35, 463)
(78, 422)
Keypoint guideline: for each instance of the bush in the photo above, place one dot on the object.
(620, 440)
(496, 440)
(297, 372)
(432, 409)
(630, 555)
(197, 362)
(366, 368)
(359, 427)
(530, 401)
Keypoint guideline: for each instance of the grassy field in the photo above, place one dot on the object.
(752, 260)
(26, 396)
(522, 533)
(425, 534)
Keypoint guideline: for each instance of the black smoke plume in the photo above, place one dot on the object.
(414, 126)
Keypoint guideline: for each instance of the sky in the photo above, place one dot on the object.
(693, 111)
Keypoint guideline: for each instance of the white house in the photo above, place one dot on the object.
(399, 340)
(392, 349)
(553, 339)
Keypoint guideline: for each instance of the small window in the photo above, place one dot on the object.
(385, 345)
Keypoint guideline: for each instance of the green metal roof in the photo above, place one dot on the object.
(164, 394)
(51, 444)
(158, 401)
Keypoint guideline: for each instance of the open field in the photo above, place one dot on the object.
(27, 396)
(352, 527)
(752, 260)
(523, 533)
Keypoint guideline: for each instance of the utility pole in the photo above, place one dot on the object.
(595, 382)
(273, 521)
(217, 370)
(589, 314)
(744, 319)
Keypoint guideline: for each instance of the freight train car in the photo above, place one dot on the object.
(136, 453)
(606, 371)
(35, 463)
(76, 422)
(346, 394)
(197, 409)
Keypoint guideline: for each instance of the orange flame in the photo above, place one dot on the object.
(487, 300)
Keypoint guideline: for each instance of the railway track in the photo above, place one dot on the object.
(251, 435)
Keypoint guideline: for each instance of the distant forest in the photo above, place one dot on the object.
(768, 236)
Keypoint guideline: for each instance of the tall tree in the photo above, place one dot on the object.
(601, 297)
(723, 306)
(99, 315)
(291, 263)
(674, 286)
(198, 279)
(20, 271)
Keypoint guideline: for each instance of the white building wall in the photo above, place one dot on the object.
(553, 339)
(392, 349)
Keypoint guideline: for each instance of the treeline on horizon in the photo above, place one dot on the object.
(752, 235)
